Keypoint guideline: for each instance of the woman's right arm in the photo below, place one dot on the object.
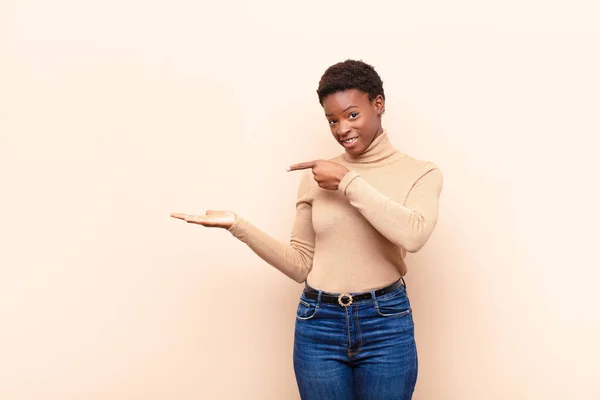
(295, 258)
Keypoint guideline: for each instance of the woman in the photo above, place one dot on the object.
(357, 215)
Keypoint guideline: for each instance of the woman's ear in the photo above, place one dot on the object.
(379, 105)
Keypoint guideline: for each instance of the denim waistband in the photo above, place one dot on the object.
(356, 293)
(347, 298)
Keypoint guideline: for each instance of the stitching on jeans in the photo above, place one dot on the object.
(309, 317)
(348, 330)
(392, 294)
(400, 314)
(415, 365)
(359, 336)
(305, 303)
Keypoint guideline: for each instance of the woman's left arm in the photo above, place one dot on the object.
(408, 225)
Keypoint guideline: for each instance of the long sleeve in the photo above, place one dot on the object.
(294, 259)
(408, 225)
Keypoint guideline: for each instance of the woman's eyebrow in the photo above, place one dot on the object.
(345, 109)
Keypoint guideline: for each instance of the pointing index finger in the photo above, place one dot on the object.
(304, 165)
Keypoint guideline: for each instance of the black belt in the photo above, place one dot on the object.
(345, 299)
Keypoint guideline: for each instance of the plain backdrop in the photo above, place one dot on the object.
(114, 114)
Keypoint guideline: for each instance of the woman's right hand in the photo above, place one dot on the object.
(212, 218)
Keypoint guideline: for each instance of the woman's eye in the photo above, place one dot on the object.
(353, 115)
(331, 121)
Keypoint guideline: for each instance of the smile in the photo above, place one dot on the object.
(348, 141)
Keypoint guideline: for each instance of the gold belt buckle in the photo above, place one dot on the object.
(341, 296)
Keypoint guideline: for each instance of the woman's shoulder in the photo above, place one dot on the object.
(417, 165)
(414, 170)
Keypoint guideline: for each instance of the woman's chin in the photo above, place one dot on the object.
(353, 150)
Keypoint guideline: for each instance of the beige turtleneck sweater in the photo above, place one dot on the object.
(355, 238)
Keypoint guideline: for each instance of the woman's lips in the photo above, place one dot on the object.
(351, 143)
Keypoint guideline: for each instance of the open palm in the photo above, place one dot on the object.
(212, 218)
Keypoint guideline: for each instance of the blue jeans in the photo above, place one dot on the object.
(366, 350)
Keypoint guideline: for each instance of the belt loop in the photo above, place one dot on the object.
(403, 281)
(372, 291)
(319, 298)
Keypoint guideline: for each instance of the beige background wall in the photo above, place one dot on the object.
(113, 114)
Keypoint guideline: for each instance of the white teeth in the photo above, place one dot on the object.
(349, 140)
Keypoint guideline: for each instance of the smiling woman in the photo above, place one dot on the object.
(357, 215)
(352, 96)
(353, 118)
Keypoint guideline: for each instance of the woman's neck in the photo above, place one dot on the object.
(379, 149)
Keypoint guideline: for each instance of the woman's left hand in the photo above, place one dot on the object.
(327, 173)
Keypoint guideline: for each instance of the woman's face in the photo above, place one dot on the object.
(352, 116)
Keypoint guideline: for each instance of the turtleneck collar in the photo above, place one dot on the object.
(380, 149)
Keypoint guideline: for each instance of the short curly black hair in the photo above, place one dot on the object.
(350, 74)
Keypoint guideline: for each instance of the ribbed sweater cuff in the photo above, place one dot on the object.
(349, 177)
(233, 228)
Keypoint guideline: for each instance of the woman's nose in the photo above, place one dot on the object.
(343, 128)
